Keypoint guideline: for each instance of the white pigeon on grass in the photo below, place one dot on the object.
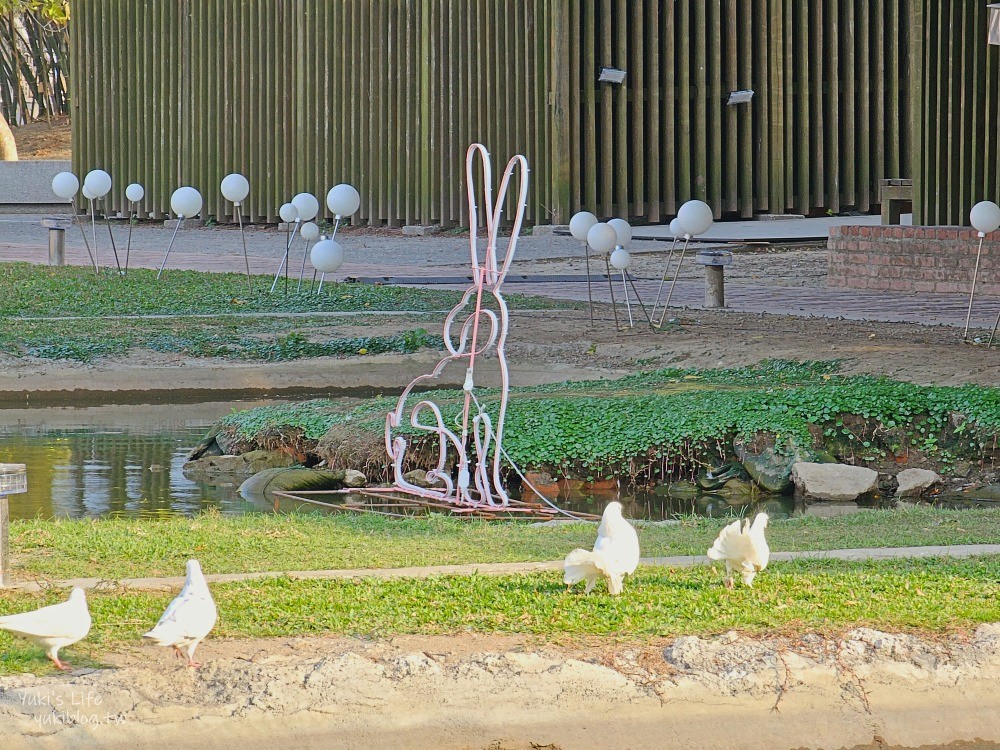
(744, 549)
(53, 627)
(615, 554)
(189, 617)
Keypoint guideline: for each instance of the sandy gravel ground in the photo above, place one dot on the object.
(863, 688)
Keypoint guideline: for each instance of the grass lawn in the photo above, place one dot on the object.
(85, 315)
(126, 548)
(925, 595)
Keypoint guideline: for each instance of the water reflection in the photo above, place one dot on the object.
(112, 460)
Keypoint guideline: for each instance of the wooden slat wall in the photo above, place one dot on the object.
(299, 95)
(387, 94)
(827, 121)
(955, 110)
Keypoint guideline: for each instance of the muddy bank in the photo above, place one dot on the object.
(865, 688)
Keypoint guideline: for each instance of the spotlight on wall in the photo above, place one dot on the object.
(611, 75)
(740, 97)
(993, 17)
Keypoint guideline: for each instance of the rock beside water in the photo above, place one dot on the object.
(227, 468)
(836, 482)
(264, 484)
(912, 482)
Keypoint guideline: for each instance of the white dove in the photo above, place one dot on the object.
(744, 549)
(53, 627)
(615, 555)
(189, 617)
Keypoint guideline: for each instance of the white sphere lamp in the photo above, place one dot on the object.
(98, 181)
(307, 206)
(135, 192)
(288, 213)
(580, 224)
(327, 256)
(676, 229)
(235, 188)
(695, 218)
(343, 200)
(985, 217)
(65, 185)
(623, 229)
(602, 237)
(87, 192)
(620, 259)
(186, 202)
(309, 231)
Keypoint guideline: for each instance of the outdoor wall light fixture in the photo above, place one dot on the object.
(993, 18)
(611, 75)
(743, 96)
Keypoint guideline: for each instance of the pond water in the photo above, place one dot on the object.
(125, 460)
(113, 460)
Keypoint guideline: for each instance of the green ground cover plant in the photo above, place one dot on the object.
(820, 596)
(71, 313)
(654, 425)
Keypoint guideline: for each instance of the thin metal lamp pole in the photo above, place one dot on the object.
(128, 244)
(972, 293)
(111, 234)
(336, 226)
(611, 287)
(86, 242)
(93, 229)
(288, 246)
(677, 272)
(246, 258)
(663, 279)
(590, 293)
(180, 220)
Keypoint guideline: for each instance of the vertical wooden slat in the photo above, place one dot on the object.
(714, 114)
(636, 67)
(832, 110)
(653, 128)
(806, 130)
(731, 114)
(699, 120)
(747, 114)
(682, 142)
(668, 150)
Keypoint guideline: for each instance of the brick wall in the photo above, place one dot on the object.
(912, 259)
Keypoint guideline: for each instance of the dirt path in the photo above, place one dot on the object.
(510, 693)
(545, 346)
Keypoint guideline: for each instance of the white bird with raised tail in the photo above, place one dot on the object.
(53, 627)
(189, 617)
(744, 549)
(615, 554)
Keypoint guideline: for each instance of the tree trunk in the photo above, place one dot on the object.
(8, 148)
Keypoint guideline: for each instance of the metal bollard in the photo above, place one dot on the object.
(715, 262)
(57, 240)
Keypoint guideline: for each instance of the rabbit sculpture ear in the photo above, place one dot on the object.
(496, 268)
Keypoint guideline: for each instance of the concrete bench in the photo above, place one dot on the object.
(895, 196)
